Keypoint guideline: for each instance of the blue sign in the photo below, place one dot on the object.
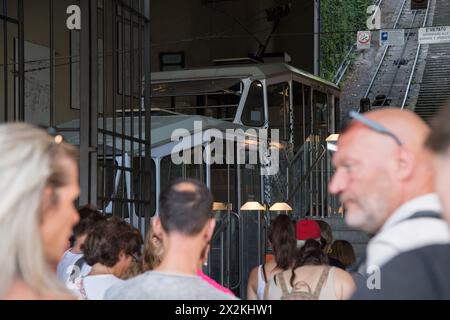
(384, 36)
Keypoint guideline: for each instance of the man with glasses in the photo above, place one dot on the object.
(423, 273)
(385, 182)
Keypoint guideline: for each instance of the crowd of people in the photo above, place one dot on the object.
(392, 173)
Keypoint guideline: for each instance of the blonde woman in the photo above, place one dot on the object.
(38, 187)
(151, 256)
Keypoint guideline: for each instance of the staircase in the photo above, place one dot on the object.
(435, 84)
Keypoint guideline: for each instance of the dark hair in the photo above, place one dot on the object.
(284, 243)
(105, 243)
(310, 254)
(185, 206)
(342, 250)
(439, 139)
(89, 217)
(326, 234)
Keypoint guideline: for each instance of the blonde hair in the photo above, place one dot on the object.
(151, 257)
(29, 162)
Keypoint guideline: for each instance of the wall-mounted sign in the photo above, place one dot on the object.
(392, 37)
(434, 35)
(171, 61)
(363, 40)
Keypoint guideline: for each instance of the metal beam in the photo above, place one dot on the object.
(88, 102)
(317, 37)
(147, 99)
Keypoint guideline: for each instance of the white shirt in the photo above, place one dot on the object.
(96, 286)
(65, 267)
(399, 235)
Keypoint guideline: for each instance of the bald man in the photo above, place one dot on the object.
(385, 181)
(422, 273)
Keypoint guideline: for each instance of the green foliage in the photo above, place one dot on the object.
(340, 19)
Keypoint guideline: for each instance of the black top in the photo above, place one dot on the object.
(335, 263)
(423, 273)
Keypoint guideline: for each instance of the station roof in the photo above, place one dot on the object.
(252, 71)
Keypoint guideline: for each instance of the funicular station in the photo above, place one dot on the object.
(123, 118)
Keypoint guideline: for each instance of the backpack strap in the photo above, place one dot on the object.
(360, 266)
(321, 282)
(425, 214)
(264, 272)
(282, 283)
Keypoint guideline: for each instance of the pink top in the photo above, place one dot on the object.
(214, 283)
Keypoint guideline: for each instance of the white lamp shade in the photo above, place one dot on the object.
(252, 206)
(332, 138)
(221, 206)
(280, 206)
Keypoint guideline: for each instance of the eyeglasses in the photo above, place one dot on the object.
(375, 126)
(370, 124)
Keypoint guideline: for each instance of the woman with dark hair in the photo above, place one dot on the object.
(342, 250)
(110, 249)
(311, 278)
(283, 242)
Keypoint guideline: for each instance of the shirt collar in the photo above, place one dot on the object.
(427, 202)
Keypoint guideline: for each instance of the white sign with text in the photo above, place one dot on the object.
(434, 35)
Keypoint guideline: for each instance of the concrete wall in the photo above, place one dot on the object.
(206, 31)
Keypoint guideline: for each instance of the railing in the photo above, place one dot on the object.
(309, 175)
(419, 46)
(372, 81)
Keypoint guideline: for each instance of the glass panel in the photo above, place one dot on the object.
(337, 115)
(37, 61)
(2, 71)
(225, 245)
(12, 86)
(320, 114)
(212, 98)
(66, 71)
(192, 87)
(223, 183)
(144, 184)
(278, 98)
(12, 8)
(253, 113)
(171, 171)
(105, 182)
(308, 113)
(298, 107)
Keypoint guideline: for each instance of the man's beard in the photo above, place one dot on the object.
(364, 216)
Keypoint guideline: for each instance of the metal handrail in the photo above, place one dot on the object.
(372, 81)
(309, 171)
(408, 87)
(297, 155)
(341, 70)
